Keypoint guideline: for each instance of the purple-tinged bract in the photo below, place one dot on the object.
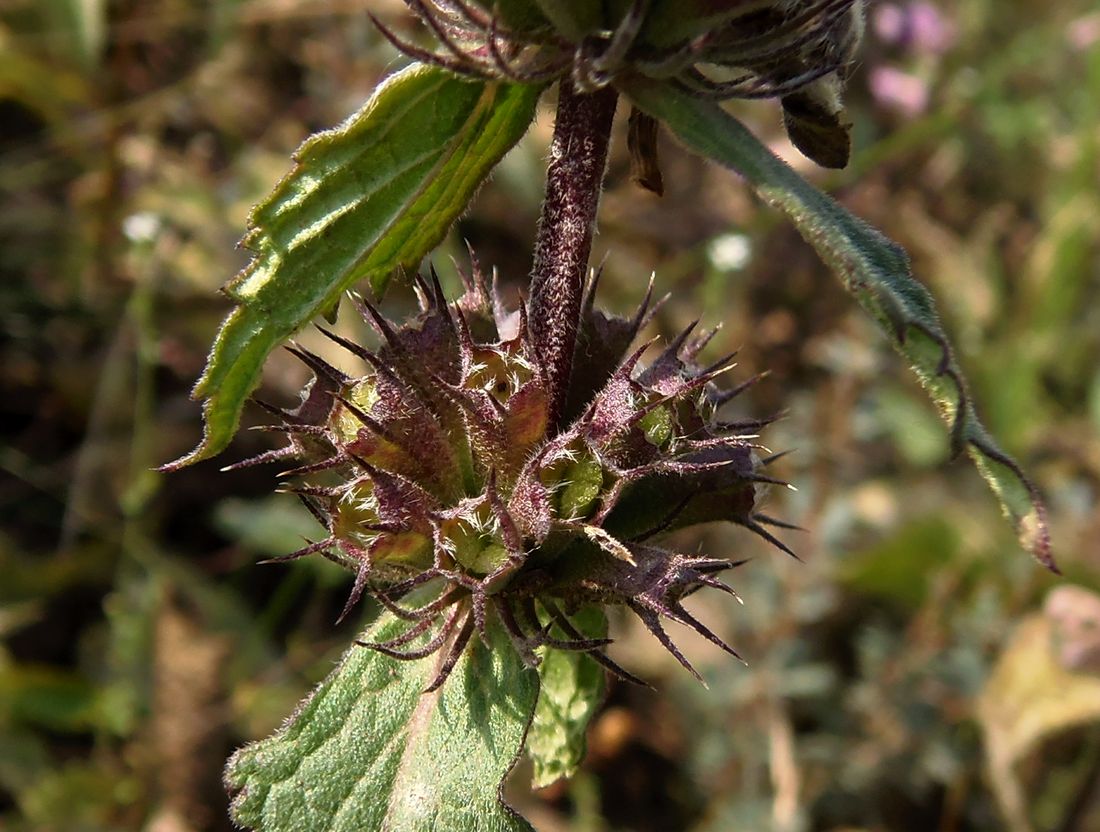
(439, 485)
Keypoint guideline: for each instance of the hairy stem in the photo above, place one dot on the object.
(578, 157)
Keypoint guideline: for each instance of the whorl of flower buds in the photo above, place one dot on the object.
(439, 486)
(799, 51)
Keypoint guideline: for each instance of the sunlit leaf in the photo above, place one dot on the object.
(876, 271)
(368, 750)
(371, 196)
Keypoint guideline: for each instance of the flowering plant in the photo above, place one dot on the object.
(496, 479)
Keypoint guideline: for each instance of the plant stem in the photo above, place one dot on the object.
(574, 178)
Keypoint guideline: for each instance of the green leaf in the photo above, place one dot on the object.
(522, 16)
(571, 687)
(672, 23)
(46, 696)
(583, 480)
(374, 195)
(903, 568)
(576, 19)
(368, 750)
(875, 270)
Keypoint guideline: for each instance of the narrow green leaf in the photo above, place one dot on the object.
(571, 687)
(875, 270)
(369, 751)
(371, 196)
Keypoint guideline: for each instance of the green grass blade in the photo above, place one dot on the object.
(875, 270)
(371, 196)
(369, 751)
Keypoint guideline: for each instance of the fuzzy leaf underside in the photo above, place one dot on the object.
(367, 750)
(571, 687)
(876, 271)
(364, 199)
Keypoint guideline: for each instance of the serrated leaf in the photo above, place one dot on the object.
(571, 687)
(876, 271)
(367, 750)
(371, 196)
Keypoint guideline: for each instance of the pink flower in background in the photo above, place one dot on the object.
(1084, 32)
(918, 27)
(897, 90)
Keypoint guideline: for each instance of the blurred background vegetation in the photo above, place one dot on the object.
(917, 672)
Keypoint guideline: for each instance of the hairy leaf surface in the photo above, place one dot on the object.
(371, 196)
(571, 687)
(369, 751)
(875, 270)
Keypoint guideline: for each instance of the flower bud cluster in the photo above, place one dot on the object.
(799, 51)
(440, 486)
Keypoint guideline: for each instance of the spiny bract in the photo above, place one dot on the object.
(439, 485)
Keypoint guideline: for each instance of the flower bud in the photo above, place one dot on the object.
(799, 51)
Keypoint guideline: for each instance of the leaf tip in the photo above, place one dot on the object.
(1034, 534)
(199, 454)
(1033, 525)
(214, 441)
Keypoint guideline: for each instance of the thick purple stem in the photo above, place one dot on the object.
(574, 178)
